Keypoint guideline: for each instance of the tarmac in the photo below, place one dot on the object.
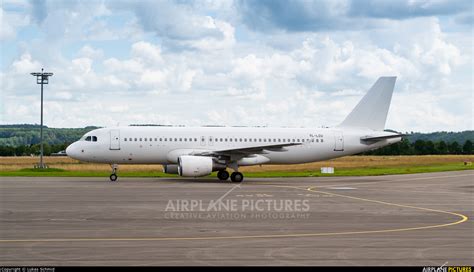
(416, 219)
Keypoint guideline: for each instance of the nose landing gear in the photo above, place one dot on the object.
(113, 176)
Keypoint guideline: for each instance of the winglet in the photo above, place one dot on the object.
(371, 112)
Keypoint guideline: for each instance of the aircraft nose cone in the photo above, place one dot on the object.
(71, 150)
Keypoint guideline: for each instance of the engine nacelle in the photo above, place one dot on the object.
(170, 169)
(197, 166)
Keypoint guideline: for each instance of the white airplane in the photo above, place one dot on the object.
(196, 152)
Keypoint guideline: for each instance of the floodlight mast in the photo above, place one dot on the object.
(41, 78)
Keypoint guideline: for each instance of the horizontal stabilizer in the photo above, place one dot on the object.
(376, 138)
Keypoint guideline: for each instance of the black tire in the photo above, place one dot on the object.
(223, 175)
(237, 177)
(113, 177)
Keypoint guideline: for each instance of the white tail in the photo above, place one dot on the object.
(371, 112)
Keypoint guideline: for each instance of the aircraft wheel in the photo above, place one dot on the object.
(113, 177)
(223, 175)
(237, 177)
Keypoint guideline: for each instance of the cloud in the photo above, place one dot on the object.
(466, 18)
(25, 65)
(39, 11)
(179, 24)
(201, 63)
(88, 51)
(147, 52)
(10, 22)
(293, 15)
(402, 9)
(343, 15)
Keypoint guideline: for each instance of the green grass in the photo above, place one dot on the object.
(42, 170)
(366, 171)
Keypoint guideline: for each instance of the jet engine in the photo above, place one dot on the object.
(197, 166)
(170, 169)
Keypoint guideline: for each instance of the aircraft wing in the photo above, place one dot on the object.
(261, 149)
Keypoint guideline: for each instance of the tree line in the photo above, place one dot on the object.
(28, 150)
(422, 147)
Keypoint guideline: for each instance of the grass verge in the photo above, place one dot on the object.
(362, 171)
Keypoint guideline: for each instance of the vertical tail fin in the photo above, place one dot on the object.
(371, 112)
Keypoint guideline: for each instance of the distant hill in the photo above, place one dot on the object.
(447, 137)
(28, 134)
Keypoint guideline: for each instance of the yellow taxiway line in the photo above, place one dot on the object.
(461, 219)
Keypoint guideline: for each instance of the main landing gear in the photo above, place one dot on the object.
(222, 175)
(113, 176)
(234, 177)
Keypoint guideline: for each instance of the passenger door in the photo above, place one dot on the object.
(338, 141)
(114, 139)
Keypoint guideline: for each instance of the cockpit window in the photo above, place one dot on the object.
(94, 138)
(88, 138)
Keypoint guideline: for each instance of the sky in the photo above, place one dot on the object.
(236, 63)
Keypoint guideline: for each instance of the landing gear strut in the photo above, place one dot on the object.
(113, 176)
(222, 175)
(236, 177)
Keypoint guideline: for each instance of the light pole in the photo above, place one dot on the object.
(41, 78)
